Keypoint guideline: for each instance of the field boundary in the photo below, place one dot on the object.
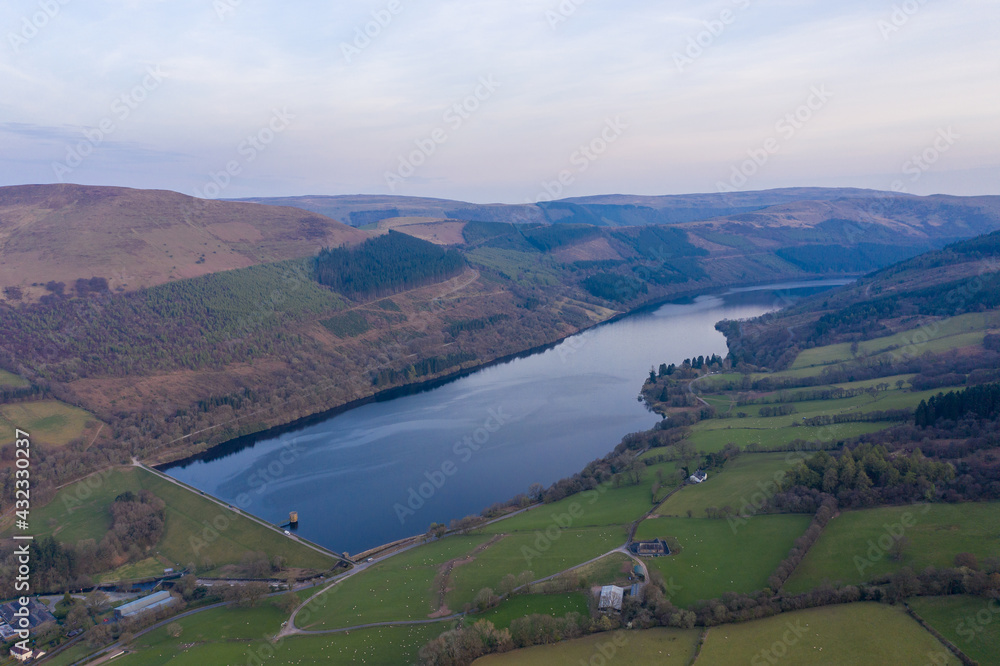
(957, 651)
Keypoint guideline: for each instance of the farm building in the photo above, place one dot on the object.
(152, 602)
(654, 548)
(611, 598)
(38, 614)
(698, 477)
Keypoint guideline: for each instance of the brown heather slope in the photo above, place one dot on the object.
(894, 219)
(140, 238)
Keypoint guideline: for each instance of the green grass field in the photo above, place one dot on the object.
(531, 551)
(713, 434)
(242, 636)
(556, 605)
(81, 511)
(666, 647)
(739, 484)
(715, 560)
(613, 569)
(47, 421)
(970, 623)
(400, 588)
(850, 634)
(710, 441)
(146, 568)
(939, 532)
(955, 332)
(10, 380)
(606, 506)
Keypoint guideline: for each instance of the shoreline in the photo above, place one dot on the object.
(236, 444)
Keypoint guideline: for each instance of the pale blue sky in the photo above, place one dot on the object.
(200, 76)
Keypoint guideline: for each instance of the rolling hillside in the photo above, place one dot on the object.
(140, 238)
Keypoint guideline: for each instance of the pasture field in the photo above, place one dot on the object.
(951, 333)
(10, 380)
(661, 646)
(555, 605)
(713, 434)
(614, 569)
(531, 551)
(864, 633)
(710, 441)
(400, 588)
(606, 506)
(82, 511)
(741, 482)
(869, 383)
(970, 623)
(848, 550)
(234, 635)
(716, 558)
(48, 421)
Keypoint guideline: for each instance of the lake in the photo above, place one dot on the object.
(388, 469)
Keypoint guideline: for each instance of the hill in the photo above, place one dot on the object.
(961, 278)
(615, 210)
(139, 238)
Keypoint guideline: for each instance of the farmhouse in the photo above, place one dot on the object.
(152, 602)
(611, 598)
(20, 653)
(698, 477)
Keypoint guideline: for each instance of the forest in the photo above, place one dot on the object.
(981, 401)
(385, 265)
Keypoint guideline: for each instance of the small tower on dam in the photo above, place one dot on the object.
(293, 518)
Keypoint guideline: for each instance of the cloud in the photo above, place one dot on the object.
(561, 79)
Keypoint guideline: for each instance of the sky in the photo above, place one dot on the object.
(501, 100)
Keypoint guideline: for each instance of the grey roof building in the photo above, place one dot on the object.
(152, 602)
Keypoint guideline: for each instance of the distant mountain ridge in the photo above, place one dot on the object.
(601, 210)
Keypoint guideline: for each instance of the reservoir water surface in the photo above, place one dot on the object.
(388, 469)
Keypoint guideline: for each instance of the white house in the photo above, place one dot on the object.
(20, 653)
(698, 477)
